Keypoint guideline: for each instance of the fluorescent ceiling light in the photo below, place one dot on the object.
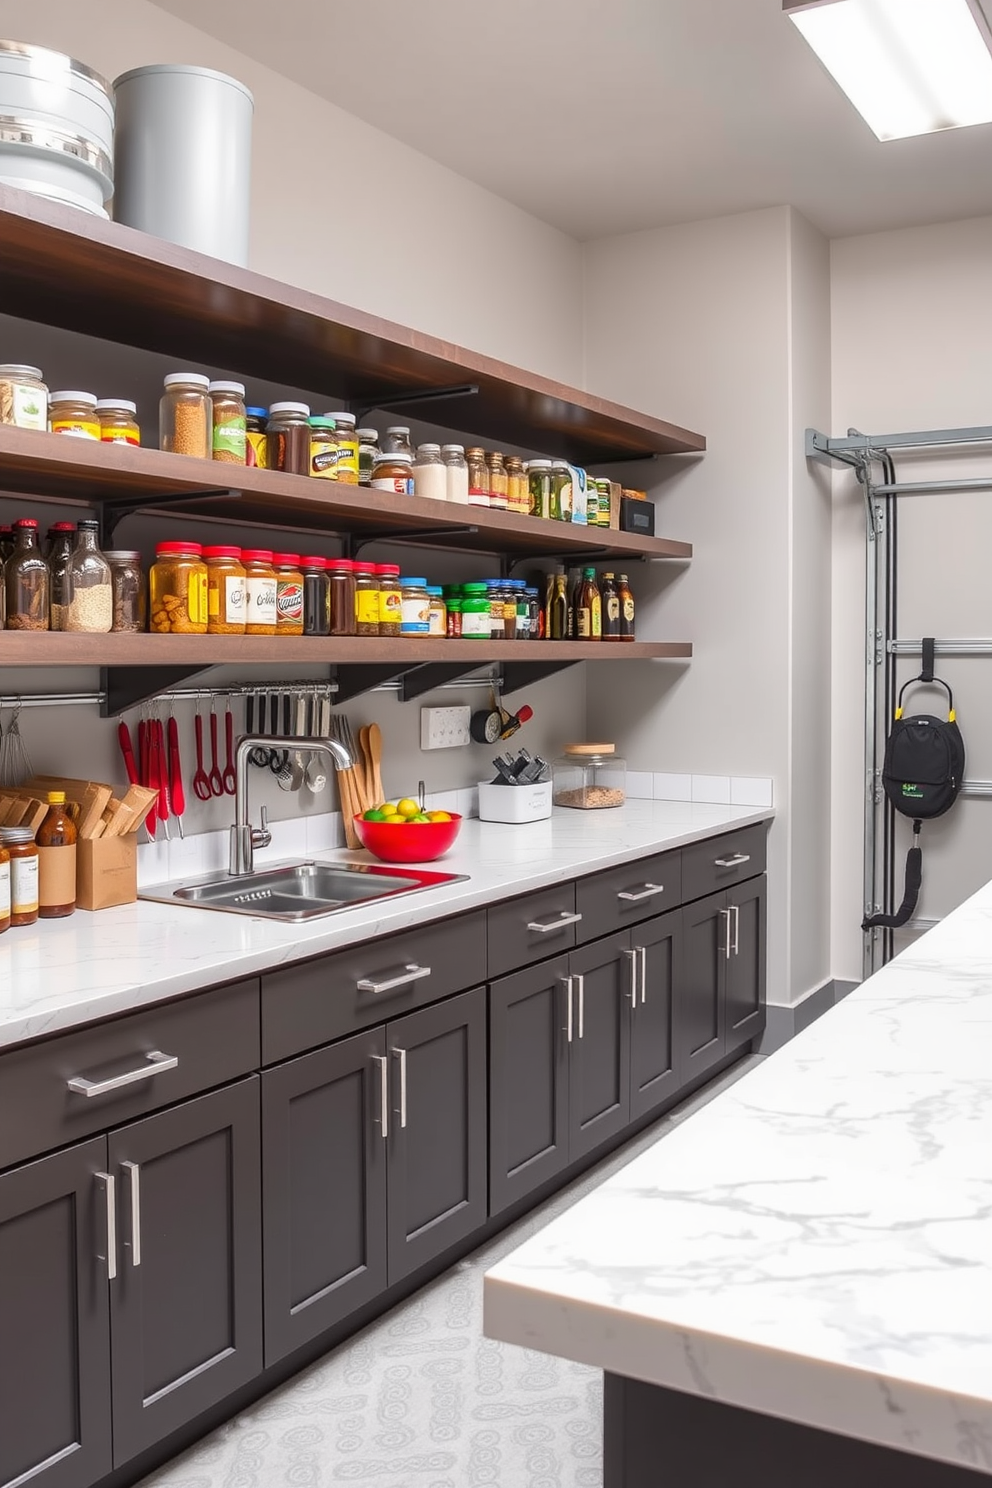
(908, 66)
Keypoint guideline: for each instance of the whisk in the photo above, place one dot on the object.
(15, 766)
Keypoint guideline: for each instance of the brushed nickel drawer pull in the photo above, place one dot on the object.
(409, 973)
(736, 860)
(110, 1196)
(134, 1174)
(157, 1064)
(648, 892)
(545, 927)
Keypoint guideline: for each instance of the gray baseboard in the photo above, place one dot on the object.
(783, 1023)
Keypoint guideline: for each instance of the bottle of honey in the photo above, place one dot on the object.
(588, 608)
(56, 841)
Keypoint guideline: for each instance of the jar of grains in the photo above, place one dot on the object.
(456, 474)
(517, 495)
(287, 438)
(118, 421)
(390, 599)
(185, 419)
(498, 484)
(91, 593)
(20, 845)
(366, 600)
(255, 421)
(341, 578)
(23, 397)
(27, 583)
(590, 777)
(289, 593)
(316, 597)
(130, 591)
(74, 413)
(230, 422)
(323, 448)
(226, 608)
(178, 589)
(260, 591)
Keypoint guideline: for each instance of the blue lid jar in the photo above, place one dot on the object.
(416, 611)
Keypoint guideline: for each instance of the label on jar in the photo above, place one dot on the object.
(261, 596)
(230, 440)
(25, 406)
(289, 602)
(438, 622)
(24, 885)
(478, 496)
(56, 876)
(367, 606)
(401, 485)
(390, 607)
(416, 615)
(196, 599)
(118, 434)
(324, 461)
(234, 600)
(255, 450)
(4, 891)
(348, 463)
(80, 428)
(476, 624)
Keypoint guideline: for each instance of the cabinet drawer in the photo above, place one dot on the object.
(626, 895)
(318, 1001)
(531, 927)
(722, 861)
(204, 1041)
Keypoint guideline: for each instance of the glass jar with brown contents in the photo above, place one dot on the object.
(478, 477)
(185, 419)
(341, 577)
(130, 592)
(56, 861)
(118, 421)
(289, 594)
(230, 422)
(287, 438)
(225, 591)
(74, 413)
(260, 591)
(27, 582)
(498, 484)
(61, 541)
(178, 590)
(366, 600)
(4, 889)
(390, 599)
(19, 842)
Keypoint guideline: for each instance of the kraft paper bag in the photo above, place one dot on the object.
(106, 872)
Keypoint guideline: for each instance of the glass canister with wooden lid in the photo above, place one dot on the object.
(590, 777)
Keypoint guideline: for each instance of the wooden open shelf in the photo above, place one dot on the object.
(63, 268)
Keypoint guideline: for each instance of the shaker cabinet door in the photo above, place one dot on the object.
(701, 1011)
(746, 967)
(599, 1050)
(654, 1075)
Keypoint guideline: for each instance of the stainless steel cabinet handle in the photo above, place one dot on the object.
(383, 1063)
(633, 976)
(545, 927)
(644, 972)
(737, 927)
(725, 914)
(734, 861)
(580, 983)
(400, 1054)
(134, 1175)
(409, 973)
(648, 892)
(566, 982)
(110, 1198)
(157, 1064)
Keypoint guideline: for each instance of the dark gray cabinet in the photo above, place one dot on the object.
(54, 1322)
(185, 1306)
(598, 1024)
(746, 969)
(655, 1008)
(325, 1121)
(722, 1003)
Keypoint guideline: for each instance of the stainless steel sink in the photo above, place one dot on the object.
(298, 891)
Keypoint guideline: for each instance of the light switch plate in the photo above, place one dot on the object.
(444, 728)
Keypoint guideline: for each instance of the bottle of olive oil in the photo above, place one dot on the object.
(556, 625)
(611, 608)
(626, 609)
(588, 608)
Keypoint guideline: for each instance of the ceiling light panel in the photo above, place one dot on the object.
(908, 66)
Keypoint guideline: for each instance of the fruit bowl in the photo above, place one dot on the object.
(407, 842)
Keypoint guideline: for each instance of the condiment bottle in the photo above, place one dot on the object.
(289, 593)
(366, 600)
(316, 596)
(517, 495)
(611, 608)
(556, 625)
(539, 488)
(287, 438)
(368, 450)
(416, 607)
(74, 413)
(130, 591)
(118, 421)
(260, 591)
(498, 485)
(478, 477)
(476, 622)
(185, 418)
(456, 474)
(341, 577)
(226, 591)
(27, 583)
(324, 450)
(626, 609)
(91, 591)
(390, 599)
(230, 422)
(19, 842)
(56, 861)
(61, 541)
(394, 473)
(4, 889)
(429, 475)
(438, 610)
(255, 420)
(347, 437)
(571, 589)
(588, 608)
(397, 441)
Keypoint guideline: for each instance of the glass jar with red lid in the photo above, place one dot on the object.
(226, 605)
(289, 593)
(366, 600)
(316, 596)
(177, 587)
(341, 579)
(260, 591)
(390, 599)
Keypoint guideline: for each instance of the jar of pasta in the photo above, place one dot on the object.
(118, 421)
(185, 417)
(230, 422)
(225, 591)
(23, 396)
(178, 589)
(260, 591)
(289, 593)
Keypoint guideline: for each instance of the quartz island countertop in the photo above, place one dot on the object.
(59, 974)
(816, 1244)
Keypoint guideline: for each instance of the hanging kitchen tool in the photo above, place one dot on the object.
(15, 766)
(495, 723)
(279, 758)
(177, 792)
(215, 777)
(127, 753)
(229, 777)
(315, 776)
(160, 773)
(201, 782)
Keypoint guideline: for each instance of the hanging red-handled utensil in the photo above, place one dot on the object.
(127, 750)
(216, 779)
(230, 779)
(176, 791)
(145, 772)
(161, 774)
(201, 785)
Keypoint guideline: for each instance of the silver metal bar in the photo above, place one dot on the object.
(545, 927)
(963, 646)
(737, 928)
(383, 1063)
(725, 915)
(643, 950)
(53, 699)
(581, 987)
(411, 973)
(876, 608)
(853, 444)
(977, 788)
(157, 1064)
(736, 860)
(110, 1198)
(134, 1177)
(566, 982)
(633, 976)
(400, 1054)
(934, 487)
(648, 892)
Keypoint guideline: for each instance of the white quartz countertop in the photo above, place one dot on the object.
(62, 973)
(815, 1244)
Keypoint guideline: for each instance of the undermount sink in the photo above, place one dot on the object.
(298, 891)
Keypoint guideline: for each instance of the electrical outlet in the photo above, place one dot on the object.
(444, 728)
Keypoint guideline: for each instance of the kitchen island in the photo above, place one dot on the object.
(795, 1287)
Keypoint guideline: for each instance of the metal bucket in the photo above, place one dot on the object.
(183, 157)
(56, 127)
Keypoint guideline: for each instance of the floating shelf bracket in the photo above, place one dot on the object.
(424, 679)
(113, 509)
(357, 677)
(124, 687)
(424, 395)
(518, 674)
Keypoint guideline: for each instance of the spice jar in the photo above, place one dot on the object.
(23, 397)
(429, 475)
(416, 607)
(393, 473)
(539, 488)
(478, 477)
(255, 421)
(453, 605)
(287, 438)
(130, 591)
(230, 422)
(185, 419)
(178, 589)
(390, 599)
(589, 777)
(20, 845)
(323, 448)
(226, 591)
(347, 437)
(397, 441)
(260, 591)
(91, 593)
(476, 624)
(61, 541)
(74, 413)
(438, 617)
(456, 474)
(517, 495)
(56, 861)
(366, 600)
(118, 421)
(368, 450)
(316, 597)
(561, 491)
(4, 889)
(498, 486)
(341, 579)
(27, 583)
(289, 593)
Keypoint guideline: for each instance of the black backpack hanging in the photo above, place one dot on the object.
(922, 774)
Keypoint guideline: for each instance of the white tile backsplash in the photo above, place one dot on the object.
(640, 785)
(672, 787)
(712, 789)
(751, 791)
(325, 832)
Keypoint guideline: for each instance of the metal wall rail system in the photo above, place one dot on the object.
(872, 459)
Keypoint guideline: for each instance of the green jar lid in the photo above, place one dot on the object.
(475, 590)
(319, 421)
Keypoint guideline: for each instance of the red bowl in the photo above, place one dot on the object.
(408, 842)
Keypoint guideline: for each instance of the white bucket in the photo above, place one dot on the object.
(56, 127)
(183, 157)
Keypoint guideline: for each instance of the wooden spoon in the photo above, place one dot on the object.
(375, 758)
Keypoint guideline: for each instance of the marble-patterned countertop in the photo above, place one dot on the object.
(816, 1244)
(62, 973)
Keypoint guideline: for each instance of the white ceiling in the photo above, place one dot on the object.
(604, 116)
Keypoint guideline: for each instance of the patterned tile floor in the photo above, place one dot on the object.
(421, 1399)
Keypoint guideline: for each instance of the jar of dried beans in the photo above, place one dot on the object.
(185, 417)
(130, 591)
(27, 583)
(230, 422)
(178, 590)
